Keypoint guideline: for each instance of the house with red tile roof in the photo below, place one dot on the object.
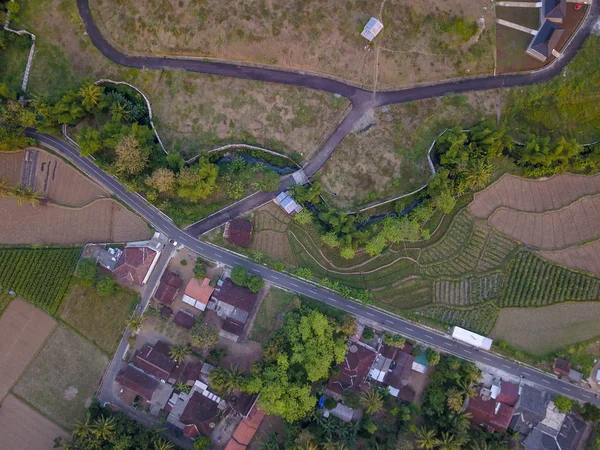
(494, 408)
(135, 265)
(246, 430)
(238, 232)
(232, 301)
(198, 293)
(155, 360)
(194, 413)
(562, 367)
(138, 382)
(169, 285)
(353, 371)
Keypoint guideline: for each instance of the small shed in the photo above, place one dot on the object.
(287, 202)
(420, 363)
(562, 367)
(372, 29)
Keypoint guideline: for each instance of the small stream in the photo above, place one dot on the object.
(253, 160)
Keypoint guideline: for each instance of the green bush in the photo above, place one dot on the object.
(330, 403)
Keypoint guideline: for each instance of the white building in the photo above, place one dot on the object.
(372, 29)
(474, 339)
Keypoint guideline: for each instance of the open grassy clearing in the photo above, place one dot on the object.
(13, 60)
(39, 275)
(100, 319)
(23, 331)
(541, 330)
(63, 378)
(191, 111)
(419, 42)
(104, 220)
(270, 314)
(23, 427)
(390, 158)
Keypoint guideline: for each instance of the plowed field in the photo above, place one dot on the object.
(584, 257)
(10, 166)
(572, 225)
(102, 221)
(526, 195)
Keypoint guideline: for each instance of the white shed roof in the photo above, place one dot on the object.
(471, 338)
(372, 29)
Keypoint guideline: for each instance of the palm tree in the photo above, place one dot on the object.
(305, 441)
(83, 429)
(372, 401)
(135, 323)
(466, 388)
(480, 445)
(329, 445)
(233, 378)
(5, 189)
(451, 441)
(161, 444)
(478, 173)
(91, 96)
(104, 428)
(272, 442)
(26, 194)
(119, 112)
(179, 352)
(426, 438)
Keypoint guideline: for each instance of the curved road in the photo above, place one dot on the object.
(361, 99)
(404, 327)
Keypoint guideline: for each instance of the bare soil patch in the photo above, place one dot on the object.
(64, 184)
(23, 330)
(23, 428)
(417, 43)
(571, 225)
(584, 257)
(390, 157)
(11, 165)
(521, 194)
(104, 220)
(63, 377)
(540, 330)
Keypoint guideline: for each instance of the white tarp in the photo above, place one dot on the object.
(474, 339)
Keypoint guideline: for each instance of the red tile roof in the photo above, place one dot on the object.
(137, 381)
(236, 296)
(168, 287)
(155, 360)
(562, 367)
(239, 232)
(353, 370)
(184, 319)
(491, 413)
(509, 393)
(199, 290)
(401, 370)
(200, 411)
(190, 431)
(191, 372)
(233, 326)
(134, 263)
(246, 430)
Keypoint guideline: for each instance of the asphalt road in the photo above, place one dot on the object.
(403, 327)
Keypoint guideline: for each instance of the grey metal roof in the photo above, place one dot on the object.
(532, 404)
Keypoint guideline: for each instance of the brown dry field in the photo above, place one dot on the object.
(64, 184)
(584, 257)
(192, 111)
(23, 330)
(104, 220)
(540, 330)
(390, 158)
(270, 233)
(23, 428)
(11, 164)
(320, 36)
(521, 194)
(571, 225)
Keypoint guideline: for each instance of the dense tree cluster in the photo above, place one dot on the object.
(241, 277)
(300, 353)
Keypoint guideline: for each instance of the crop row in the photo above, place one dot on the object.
(458, 234)
(408, 294)
(39, 275)
(468, 290)
(497, 249)
(480, 319)
(535, 282)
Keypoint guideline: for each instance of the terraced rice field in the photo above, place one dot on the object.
(553, 230)
(532, 281)
(480, 319)
(468, 291)
(526, 195)
(583, 257)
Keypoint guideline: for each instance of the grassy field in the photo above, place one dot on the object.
(100, 319)
(39, 275)
(192, 111)
(63, 378)
(13, 60)
(541, 330)
(268, 316)
(390, 158)
(418, 42)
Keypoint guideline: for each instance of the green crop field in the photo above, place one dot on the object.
(468, 290)
(480, 319)
(534, 282)
(38, 275)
